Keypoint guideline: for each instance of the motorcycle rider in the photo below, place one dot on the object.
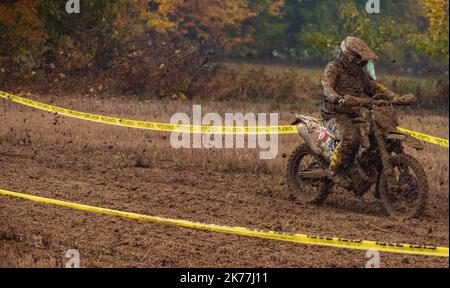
(347, 79)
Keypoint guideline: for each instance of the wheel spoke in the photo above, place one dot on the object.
(308, 188)
(403, 195)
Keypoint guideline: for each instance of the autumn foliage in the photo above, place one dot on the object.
(435, 41)
(171, 48)
(23, 34)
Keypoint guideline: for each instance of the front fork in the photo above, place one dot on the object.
(385, 157)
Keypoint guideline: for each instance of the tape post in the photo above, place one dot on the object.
(167, 127)
(426, 250)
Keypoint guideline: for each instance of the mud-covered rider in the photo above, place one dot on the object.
(348, 78)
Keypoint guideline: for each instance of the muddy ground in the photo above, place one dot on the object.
(41, 157)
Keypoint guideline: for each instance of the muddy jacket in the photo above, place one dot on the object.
(342, 79)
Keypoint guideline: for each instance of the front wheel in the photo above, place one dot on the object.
(307, 190)
(407, 195)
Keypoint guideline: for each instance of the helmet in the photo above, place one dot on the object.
(357, 51)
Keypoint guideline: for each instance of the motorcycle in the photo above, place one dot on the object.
(400, 180)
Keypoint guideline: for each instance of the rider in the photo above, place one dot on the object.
(347, 79)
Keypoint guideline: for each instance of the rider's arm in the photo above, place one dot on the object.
(377, 88)
(329, 80)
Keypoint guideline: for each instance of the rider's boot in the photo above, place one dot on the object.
(337, 170)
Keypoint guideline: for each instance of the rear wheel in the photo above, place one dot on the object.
(407, 195)
(307, 190)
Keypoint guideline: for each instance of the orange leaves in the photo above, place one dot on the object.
(437, 13)
(275, 7)
(160, 19)
(23, 20)
(435, 41)
(22, 30)
(212, 20)
(209, 20)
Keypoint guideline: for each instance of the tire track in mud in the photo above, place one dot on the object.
(38, 235)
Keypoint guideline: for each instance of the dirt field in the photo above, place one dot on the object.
(138, 171)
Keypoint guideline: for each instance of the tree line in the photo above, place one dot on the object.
(163, 37)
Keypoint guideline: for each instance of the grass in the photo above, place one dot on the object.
(274, 69)
(310, 88)
(134, 154)
(316, 73)
(277, 88)
(28, 127)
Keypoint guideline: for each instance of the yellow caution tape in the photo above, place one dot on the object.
(204, 129)
(155, 126)
(337, 242)
(424, 137)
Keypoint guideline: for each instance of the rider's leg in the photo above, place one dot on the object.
(345, 153)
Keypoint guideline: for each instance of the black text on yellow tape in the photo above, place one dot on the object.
(289, 237)
(155, 126)
(425, 138)
(204, 129)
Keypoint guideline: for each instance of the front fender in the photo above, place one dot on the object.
(405, 138)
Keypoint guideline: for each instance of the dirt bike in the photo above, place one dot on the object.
(400, 180)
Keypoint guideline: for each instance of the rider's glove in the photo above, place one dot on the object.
(341, 101)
